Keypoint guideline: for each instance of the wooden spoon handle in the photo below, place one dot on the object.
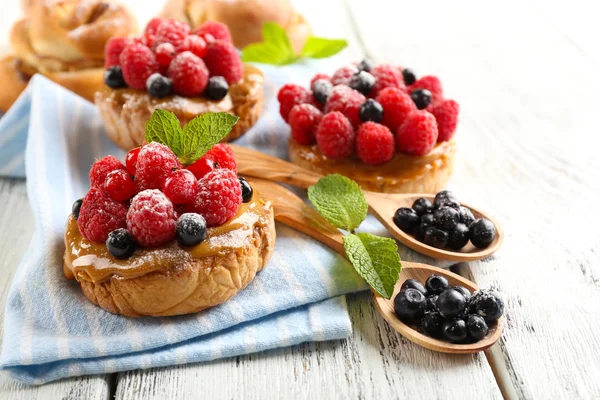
(254, 163)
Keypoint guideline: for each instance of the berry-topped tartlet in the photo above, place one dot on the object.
(172, 68)
(376, 124)
(173, 230)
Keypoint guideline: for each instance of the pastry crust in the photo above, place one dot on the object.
(245, 18)
(403, 174)
(125, 111)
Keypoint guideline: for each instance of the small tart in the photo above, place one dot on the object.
(402, 174)
(174, 280)
(125, 111)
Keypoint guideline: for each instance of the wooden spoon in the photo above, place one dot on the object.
(294, 212)
(383, 205)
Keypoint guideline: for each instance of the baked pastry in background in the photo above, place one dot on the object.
(64, 41)
(244, 18)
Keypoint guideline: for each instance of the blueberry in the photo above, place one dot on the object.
(486, 304)
(406, 219)
(466, 292)
(431, 300)
(435, 237)
(446, 218)
(113, 77)
(120, 243)
(409, 76)
(414, 284)
(362, 82)
(410, 305)
(449, 203)
(466, 216)
(158, 85)
(216, 88)
(455, 330)
(422, 206)
(371, 110)
(477, 327)
(247, 191)
(459, 237)
(451, 303)
(426, 222)
(421, 98)
(321, 90)
(444, 194)
(365, 65)
(483, 233)
(191, 229)
(432, 324)
(436, 284)
(76, 208)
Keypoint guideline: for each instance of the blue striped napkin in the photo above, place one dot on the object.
(51, 331)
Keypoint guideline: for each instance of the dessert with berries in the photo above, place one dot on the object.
(377, 124)
(171, 67)
(172, 230)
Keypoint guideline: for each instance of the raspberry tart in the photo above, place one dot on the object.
(171, 67)
(167, 234)
(376, 124)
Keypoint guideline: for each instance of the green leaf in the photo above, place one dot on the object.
(340, 200)
(376, 259)
(316, 47)
(202, 133)
(163, 127)
(274, 49)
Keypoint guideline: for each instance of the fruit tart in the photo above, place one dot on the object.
(167, 234)
(64, 41)
(376, 124)
(171, 67)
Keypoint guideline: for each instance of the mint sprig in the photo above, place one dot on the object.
(196, 137)
(341, 202)
(276, 48)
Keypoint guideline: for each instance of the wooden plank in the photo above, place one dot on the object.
(526, 154)
(16, 220)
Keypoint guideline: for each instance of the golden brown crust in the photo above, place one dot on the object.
(125, 111)
(189, 287)
(11, 81)
(403, 174)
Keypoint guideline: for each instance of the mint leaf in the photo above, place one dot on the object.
(376, 259)
(163, 127)
(340, 200)
(275, 48)
(316, 47)
(202, 133)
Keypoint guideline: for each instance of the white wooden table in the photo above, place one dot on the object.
(527, 76)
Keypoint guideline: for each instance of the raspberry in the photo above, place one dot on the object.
(100, 215)
(181, 187)
(290, 95)
(222, 156)
(218, 30)
(446, 115)
(374, 143)
(196, 45)
(119, 185)
(304, 120)
(151, 218)
(138, 63)
(218, 198)
(397, 105)
(222, 59)
(171, 31)
(317, 77)
(101, 168)
(386, 75)
(113, 49)
(201, 167)
(431, 83)
(188, 74)
(418, 134)
(165, 54)
(155, 162)
(131, 159)
(335, 135)
(347, 101)
(342, 76)
(152, 26)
